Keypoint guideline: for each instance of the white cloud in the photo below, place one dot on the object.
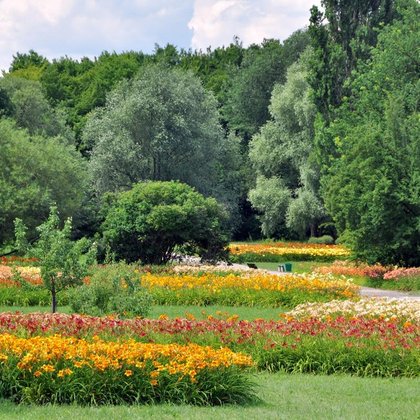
(216, 22)
(77, 28)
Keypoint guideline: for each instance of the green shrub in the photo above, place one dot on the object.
(324, 239)
(17, 296)
(406, 284)
(114, 289)
(149, 221)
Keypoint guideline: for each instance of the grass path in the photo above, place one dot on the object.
(284, 397)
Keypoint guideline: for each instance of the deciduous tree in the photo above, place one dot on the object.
(148, 221)
(35, 172)
(372, 189)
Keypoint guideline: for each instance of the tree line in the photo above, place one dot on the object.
(314, 135)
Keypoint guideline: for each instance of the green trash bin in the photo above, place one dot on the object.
(288, 267)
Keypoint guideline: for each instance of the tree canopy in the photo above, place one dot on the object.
(35, 173)
(372, 190)
(286, 192)
(148, 221)
(315, 134)
(160, 126)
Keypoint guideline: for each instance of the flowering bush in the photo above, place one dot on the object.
(255, 288)
(280, 251)
(362, 345)
(58, 369)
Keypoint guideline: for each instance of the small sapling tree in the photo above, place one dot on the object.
(63, 262)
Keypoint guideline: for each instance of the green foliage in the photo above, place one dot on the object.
(324, 239)
(305, 210)
(372, 189)
(112, 289)
(36, 172)
(26, 60)
(271, 198)
(80, 87)
(341, 43)
(404, 284)
(341, 46)
(87, 386)
(31, 110)
(249, 95)
(287, 299)
(241, 80)
(163, 125)
(63, 263)
(295, 396)
(214, 67)
(249, 91)
(6, 105)
(147, 222)
(258, 257)
(21, 240)
(286, 192)
(22, 296)
(326, 356)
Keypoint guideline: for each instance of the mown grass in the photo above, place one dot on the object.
(283, 397)
(407, 284)
(199, 312)
(299, 267)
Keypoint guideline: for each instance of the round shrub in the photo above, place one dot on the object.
(149, 221)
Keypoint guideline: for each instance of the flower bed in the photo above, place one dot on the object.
(219, 269)
(185, 285)
(15, 260)
(359, 345)
(9, 275)
(347, 268)
(401, 273)
(388, 309)
(255, 288)
(282, 251)
(58, 369)
(407, 279)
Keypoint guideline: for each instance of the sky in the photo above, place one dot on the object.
(85, 28)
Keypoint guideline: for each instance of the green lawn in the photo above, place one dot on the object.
(283, 397)
(198, 312)
(297, 266)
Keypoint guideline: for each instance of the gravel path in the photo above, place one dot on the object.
(370, 292)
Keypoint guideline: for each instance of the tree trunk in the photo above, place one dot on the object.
(53, 297)
(313, 230)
